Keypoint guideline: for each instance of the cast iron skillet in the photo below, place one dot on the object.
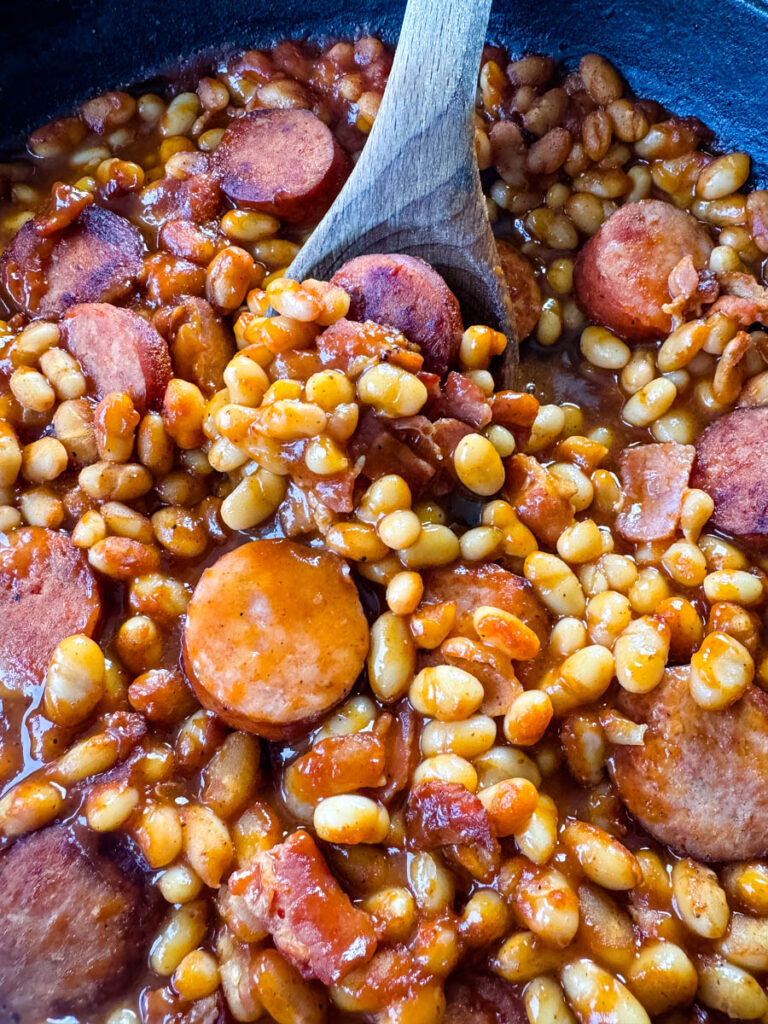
(708, 58)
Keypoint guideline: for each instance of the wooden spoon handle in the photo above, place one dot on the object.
(416, 187)
(431, 90)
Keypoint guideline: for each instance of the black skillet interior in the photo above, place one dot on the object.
(709, 58)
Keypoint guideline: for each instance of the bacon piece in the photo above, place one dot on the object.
(742, 298)
(340, 764)
(355, 347)
(690, 289)
(196, 199)
(461, 399)
(200, 344)
(164, 1006)
(542, 501)
(336, 492)
(435, 443)
(310, 918)
(384, 453)
(440, 814)
(654, 478)
(475, 998)
(402, 749)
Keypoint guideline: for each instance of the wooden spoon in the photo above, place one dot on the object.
(416, 187)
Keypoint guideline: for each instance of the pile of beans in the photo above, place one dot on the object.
(363, 689)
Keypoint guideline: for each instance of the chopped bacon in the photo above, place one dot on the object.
(440, 814)
(493, 668)
(164, 1006)
(461, 399)
(742, 297)
(336, 492)
(654, 478)
(402, 750)
(384, 453)
(690, 289)
(341, 764)
(295, 365)
(514, 409)
(435, 443)
(196, 198)
(431, 382)
(309, 916)
(62, 208)
(542, 501)
(475, 998)
(295, 512)
(683, 278)
(355, 347)
(744, 311)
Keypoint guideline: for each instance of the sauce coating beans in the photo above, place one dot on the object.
(339, 684)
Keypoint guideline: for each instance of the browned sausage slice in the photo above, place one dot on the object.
(118, 351)
(732, 466)
(406, 293)
(621, 274)
(283, 162)
(47, 592)
(523, 287)
(96, 259)
(74, 925)
(275, 636)
(698, 782)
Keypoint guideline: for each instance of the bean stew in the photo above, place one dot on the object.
(338, 683)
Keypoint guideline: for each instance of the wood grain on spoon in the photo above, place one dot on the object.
(416, 187)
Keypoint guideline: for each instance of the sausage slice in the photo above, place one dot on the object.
(283, 162)
(621, 275)
(275, 636)
(406, 293)
(97, 259)
(47, 592)
(471, 586)
(698, 782)
(523, 287)
(118, 351)
(75, 920)
(732, 466)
